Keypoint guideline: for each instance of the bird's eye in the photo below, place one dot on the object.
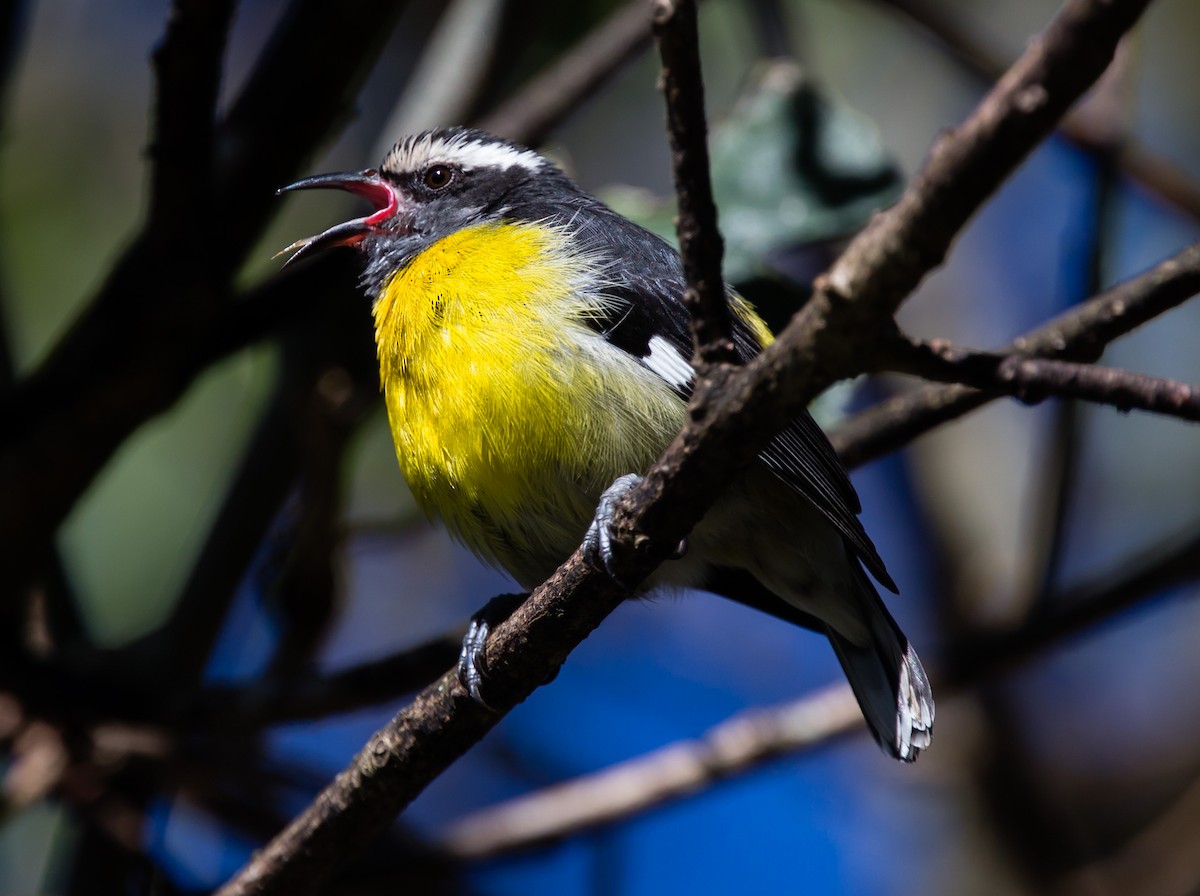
(438, 176)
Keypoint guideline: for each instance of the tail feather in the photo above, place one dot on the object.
(888, 680)
(887, 677)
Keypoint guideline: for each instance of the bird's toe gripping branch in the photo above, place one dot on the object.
(471, 665)
(598, 541)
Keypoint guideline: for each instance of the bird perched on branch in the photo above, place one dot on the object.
(534, 355)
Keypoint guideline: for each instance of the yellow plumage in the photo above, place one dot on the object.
(510, 414)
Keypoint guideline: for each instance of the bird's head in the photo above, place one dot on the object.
(429, 186)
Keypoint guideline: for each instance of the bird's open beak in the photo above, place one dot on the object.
(367, 184)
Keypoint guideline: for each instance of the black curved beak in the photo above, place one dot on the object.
(367, 184)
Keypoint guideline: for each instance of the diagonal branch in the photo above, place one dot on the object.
(677, 770)
(529, 115)
(848, 316)
(1157, 174)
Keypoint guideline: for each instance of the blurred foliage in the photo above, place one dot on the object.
(790, 169)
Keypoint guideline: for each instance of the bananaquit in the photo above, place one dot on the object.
(534, 347)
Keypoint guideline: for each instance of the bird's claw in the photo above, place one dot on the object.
(472, 666)
(598, 542)
(470, 659)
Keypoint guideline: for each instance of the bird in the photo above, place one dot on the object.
(535, 359)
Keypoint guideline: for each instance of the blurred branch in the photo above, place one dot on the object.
(290, 105)
(1057, 472)
(317, 696)
(770, 22)
(1086, 606)
(451, 73)
(546, 100)
(1161, 860)
(1033, 380)
(1079, 335)
(136, 347)
(260, 482)
(831, 337)
(188, 68)
(13, 16)
(1158, 175)
(300, 415)
(735, 746)
(1025, 820)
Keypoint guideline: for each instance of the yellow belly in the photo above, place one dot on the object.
(510, 414)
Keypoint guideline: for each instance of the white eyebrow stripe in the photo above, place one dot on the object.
(494, 155)
(469, 153)
(665, 360)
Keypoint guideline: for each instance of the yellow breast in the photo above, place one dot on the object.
(510, 414)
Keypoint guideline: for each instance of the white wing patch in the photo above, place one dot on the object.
(665, 360)
(415, 153)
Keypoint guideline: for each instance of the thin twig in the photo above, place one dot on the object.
(700, 243)
(1033, 380)
(1079, 334)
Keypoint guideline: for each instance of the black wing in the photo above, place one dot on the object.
(646, 305)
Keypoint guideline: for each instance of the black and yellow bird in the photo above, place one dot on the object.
(534, 347)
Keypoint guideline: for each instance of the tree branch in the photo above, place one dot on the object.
(188, 65)
(1080, 334)
(700, 243)
(735, 746)
(1033, 380)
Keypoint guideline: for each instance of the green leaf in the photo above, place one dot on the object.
(790, 167)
